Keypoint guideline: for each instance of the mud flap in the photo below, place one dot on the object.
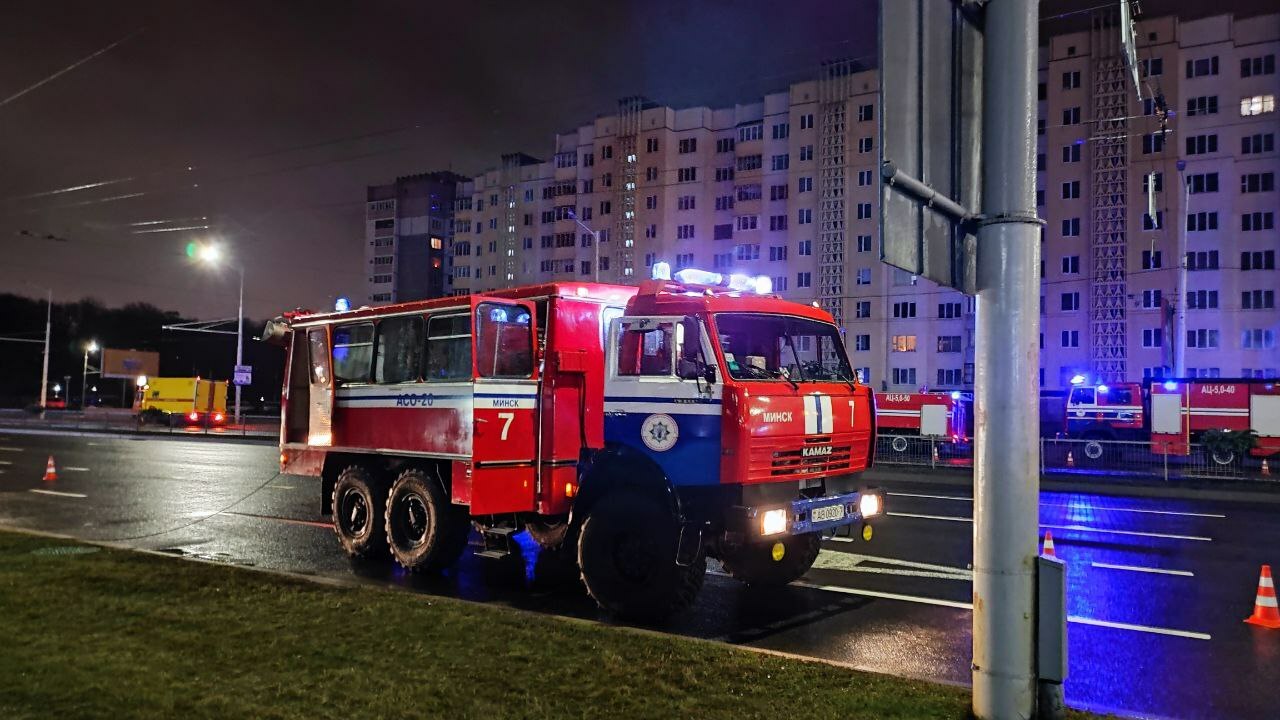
(690, 545)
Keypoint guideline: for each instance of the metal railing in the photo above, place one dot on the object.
(1088, 457)
(122, 421)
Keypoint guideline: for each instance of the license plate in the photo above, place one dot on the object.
(828, 513)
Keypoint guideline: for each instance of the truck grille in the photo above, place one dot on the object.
(810, 459)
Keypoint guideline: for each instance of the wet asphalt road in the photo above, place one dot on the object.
(1157, 588)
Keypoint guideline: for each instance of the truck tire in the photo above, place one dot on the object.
(426, 532)
(627, 558)
(358, 504)
(753, 564)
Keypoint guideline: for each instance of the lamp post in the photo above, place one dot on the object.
(1180, 319)
(212, 255)
(595, 245)
(92, 347)
(44, 374)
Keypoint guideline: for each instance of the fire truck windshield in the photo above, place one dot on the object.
(781, 347)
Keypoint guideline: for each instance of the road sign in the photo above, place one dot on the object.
(243, 375)
(930, 98)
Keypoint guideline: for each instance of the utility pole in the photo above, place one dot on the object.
(44, 374)
(239, 337)
(1006, 462)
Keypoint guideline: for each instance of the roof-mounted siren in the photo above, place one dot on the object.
(740, 282)
(1129, 41)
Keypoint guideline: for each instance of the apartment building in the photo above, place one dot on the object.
(786, 187)
(408, 232)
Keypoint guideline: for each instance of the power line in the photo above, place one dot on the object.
(70, 67)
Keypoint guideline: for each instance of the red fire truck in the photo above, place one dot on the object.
(1174, 414)
(940, 415)
(641, 430)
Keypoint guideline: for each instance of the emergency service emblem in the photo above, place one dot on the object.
(659, 432)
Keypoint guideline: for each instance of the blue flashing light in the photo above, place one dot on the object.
(1170, 385)
(342, 304)
(1078, 380)
(1103, 389)
(764, 285)
(741, 283)
(661, 271)
(955, 394)
(498, 315)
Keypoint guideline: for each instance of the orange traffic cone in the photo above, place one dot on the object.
(935, 454)
(1048, 545)
(50, 471)
(1265, 612)
(1071, 462)
(1266, 469)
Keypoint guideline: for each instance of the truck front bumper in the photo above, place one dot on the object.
(805, 515)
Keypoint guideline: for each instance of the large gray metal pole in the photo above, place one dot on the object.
(1006, 467)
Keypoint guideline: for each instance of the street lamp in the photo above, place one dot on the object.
(595, 244)
(211, 254)
(91, 347)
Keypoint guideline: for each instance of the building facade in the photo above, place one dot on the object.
(786, 187)
(408, 232)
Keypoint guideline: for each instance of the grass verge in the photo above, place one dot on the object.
(117, 634)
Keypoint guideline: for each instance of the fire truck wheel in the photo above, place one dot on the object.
(1222, 456)
(358, 502)
(754, 564)
(425, 531)
(627, 557)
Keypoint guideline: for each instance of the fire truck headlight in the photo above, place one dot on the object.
(773, 522)
(869, 505)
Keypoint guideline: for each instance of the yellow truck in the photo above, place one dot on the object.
(185, 401)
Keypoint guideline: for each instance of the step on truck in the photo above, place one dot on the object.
(638, 430)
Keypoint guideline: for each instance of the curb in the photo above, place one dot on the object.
(128, 435)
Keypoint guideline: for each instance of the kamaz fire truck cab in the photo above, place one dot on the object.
(643, 430)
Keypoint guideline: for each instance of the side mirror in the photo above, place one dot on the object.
(709, 374)
(687, 369)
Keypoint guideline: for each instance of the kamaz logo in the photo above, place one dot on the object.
(816, 450)
(777, 417)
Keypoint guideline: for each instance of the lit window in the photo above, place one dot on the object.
(1257, 105)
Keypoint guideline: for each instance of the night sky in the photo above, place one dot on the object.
(269, 119)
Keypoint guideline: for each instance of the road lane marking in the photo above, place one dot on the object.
(1181, 513)
(1139, 628)
(6, 462)
(59, 494)
(930, 517)
(859, 559)
(1150, 512)
(282, 487)
(1135, 568)
(277, 518)
(931, 497)
(1166, 536)
(969, 606)
(11, 449)
(75, 469)
(1077, 528)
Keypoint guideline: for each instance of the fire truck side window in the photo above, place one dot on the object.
(1082, 396)
(647, 352)
(352, 352)
(319, 350)
(504, 341)
(399, 350)
(448, 347)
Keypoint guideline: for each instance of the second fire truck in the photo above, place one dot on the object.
(642, 430)
(1173, 415)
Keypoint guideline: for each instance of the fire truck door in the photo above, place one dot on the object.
(320, 390)
(662, 397)
(505, 408)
